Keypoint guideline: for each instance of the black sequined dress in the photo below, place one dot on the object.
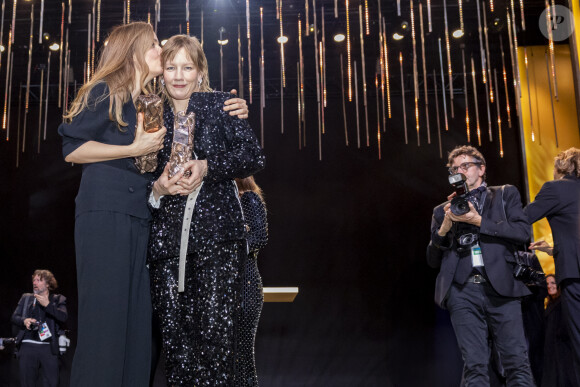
(252, 297)
(199, 326)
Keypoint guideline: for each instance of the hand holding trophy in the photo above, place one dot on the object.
(182, 146)
(152, 108)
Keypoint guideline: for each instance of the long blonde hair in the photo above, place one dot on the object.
(195, 53)
(124, 50)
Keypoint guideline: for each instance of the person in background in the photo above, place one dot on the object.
(254, 209)
(558, 361)
(39, 318)
(559, 202)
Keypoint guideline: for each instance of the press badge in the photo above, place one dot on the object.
(476, 256)
(44, 332)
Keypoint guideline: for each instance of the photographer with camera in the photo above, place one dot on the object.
(39, 317)
(472, 241)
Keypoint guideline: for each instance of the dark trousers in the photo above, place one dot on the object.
(37, 365)
(571, 314)
(114, 320)
(477, 310)
(199, 325)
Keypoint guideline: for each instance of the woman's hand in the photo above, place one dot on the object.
(542, 246)
(144, 142)
(198, 169)
(166, 186)
(236, 106)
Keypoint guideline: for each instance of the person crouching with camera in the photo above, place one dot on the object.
(472, 241)
(39, 317)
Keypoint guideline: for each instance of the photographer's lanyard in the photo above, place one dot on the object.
(476, 255)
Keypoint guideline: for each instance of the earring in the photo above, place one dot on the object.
(162, 81)
(199, 81)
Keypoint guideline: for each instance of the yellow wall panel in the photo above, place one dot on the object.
(538, 122)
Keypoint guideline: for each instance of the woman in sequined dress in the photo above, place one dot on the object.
(254, 210)
(199, 325)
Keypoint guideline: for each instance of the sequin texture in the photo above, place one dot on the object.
(252, 297)
(200, 326)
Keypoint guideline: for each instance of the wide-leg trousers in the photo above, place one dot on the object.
(114, 319)
(199, 326)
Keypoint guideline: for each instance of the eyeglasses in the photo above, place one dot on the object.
(464, 167)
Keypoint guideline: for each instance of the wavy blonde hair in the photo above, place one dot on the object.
(195, 53)
(124, 50)
(568, 162)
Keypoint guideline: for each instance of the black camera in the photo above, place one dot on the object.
(34, 326)
(459, 204)
(528, 274)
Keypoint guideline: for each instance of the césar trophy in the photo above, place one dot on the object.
(182, 146)
(152, 108)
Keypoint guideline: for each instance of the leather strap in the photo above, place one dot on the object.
(187, 215)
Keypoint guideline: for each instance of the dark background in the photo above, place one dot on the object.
(349, 230)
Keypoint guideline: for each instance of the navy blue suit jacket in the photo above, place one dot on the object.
(114, 185)
(501, 229)
(559, 201)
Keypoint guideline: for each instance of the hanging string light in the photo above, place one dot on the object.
(349, 69)
(40, 110)
(356, 105)
(364, 76)
(415, 74)
(505, 82)
(8, 85)
(27, 97)
(250, 85)
(323, 70)
(316, 69)
(481, 47)
(344, 99)
(522, 15)
(443, 85)
(367, 27)
(424, 74)
(262, 77)
(529, 94)
(301, 122)
(99, 20)
(437, 112)
(321, 64)
(307, 12)
(378, 120)
(429, 16)
(41, 21)
(499, 129)
(60, 56)
(476, 103)
(387, 82)
(461, 25)
(468, 132)
(448, 49)
(551, 48)
(403, 96)
(2, 31)
(551, 100)
(487, 56)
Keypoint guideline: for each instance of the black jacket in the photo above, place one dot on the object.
(231, 150)
(559, 201)
(113, 185)
(501, 229)
(56, 315)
